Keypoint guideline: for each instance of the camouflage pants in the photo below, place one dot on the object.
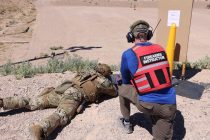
(162, 115)
(66, 103)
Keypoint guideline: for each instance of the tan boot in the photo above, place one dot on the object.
(36, 132)
(1, 103)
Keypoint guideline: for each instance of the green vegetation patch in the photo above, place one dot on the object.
(203, 63)
(73, 63)
(76, 63)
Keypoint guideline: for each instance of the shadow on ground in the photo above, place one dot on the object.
(78, 48)
(190, 89)
(179, 128)
(188, 74)
(144, 121)
(187, 88)
(14, 111)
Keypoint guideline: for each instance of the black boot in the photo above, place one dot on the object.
(1, 103)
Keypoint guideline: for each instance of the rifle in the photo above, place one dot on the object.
(37, 58)
(116, 80)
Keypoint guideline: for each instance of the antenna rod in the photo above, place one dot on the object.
(156, 26)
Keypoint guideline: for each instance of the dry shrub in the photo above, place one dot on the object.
(27, 70)
(203, 63)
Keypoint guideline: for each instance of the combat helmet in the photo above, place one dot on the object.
(140, 26)
(103, 69)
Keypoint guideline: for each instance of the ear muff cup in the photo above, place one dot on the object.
(130, 37)
(149, 34)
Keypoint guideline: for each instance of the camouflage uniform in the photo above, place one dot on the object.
(67, 97)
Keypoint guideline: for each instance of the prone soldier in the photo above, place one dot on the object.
(69, 98)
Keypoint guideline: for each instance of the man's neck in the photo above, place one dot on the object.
(139, 41)
(142, 43)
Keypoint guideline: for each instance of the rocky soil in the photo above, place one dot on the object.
(100, 121)
(16, 16)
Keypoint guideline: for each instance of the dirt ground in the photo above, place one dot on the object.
(100, 121)
(16, 26)
(94, 30)
(85, 27)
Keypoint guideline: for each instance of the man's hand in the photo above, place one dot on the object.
(116, 79)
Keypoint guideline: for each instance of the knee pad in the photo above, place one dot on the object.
(38, 103)
(33, 104)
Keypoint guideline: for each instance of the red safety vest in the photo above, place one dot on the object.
(153, 69)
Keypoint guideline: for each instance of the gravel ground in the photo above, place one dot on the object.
(100, 121)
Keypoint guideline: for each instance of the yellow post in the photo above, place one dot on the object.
(171, 47)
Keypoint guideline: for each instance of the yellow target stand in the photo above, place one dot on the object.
(171, 47)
